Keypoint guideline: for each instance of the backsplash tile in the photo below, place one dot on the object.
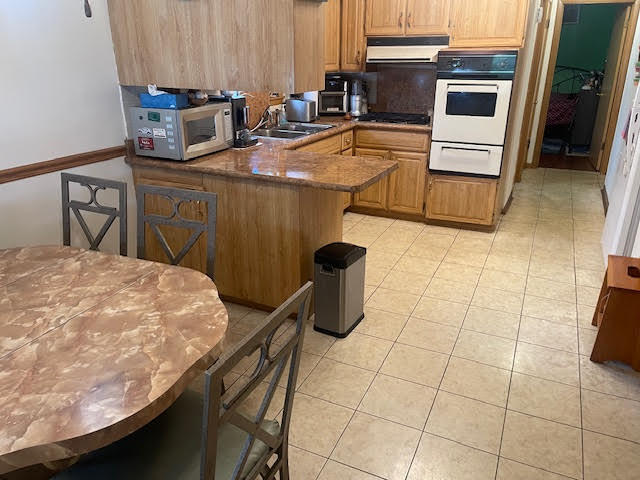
(405, 88)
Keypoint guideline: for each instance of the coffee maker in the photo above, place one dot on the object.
(240, 117)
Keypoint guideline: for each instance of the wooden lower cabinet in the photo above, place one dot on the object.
(376, 195)
(406, 185)
(339, 144)
(347, 195)
(461, 199)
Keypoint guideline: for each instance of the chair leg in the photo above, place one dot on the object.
(284, 466)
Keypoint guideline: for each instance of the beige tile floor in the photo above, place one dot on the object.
(472, 360)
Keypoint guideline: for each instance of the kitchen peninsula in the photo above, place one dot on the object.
(276, 206)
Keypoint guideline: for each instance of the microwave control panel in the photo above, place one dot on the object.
(156, 132)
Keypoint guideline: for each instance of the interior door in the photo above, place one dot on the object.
(612, 67)
(385, 17)
(427, 18)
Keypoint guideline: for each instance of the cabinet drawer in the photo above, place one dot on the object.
(347, 139)
(332, 145)
(392, 140)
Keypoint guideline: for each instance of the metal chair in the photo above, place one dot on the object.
(205, 436)
(93, 185)
(177, 197)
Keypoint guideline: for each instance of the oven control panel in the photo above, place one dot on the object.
(467, 64)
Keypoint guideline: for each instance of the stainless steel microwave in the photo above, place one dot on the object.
(182, 134)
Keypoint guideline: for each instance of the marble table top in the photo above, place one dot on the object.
(93, 346)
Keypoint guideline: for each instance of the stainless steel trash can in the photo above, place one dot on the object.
(338, 288)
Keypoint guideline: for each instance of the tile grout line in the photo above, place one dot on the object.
(424, 426)
(578, 339)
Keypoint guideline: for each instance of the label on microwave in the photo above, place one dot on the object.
(145, 143)
(146, 131)
(159, 133)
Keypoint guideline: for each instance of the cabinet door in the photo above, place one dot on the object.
(427, 17)
(406, 185)
(332, 36)
(376, 195)
(353, 42)
(488, 23)
(184, 44)
(385, 17)
(331, 146)
(461, 199)
(347, 195)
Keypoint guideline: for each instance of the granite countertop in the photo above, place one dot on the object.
(276, 160)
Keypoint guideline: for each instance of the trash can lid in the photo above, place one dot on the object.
(339, 254)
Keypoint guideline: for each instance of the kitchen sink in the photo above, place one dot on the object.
(305, 127)
(273, 133)
(292, 130)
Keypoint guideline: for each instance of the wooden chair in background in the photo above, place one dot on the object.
(617, 314)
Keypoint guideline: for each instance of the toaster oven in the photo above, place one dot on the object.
(182, 134)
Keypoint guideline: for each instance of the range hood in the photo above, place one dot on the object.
(405, 49)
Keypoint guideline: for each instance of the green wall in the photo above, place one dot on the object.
(585, 45)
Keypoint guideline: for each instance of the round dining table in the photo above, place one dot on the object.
(93, 346)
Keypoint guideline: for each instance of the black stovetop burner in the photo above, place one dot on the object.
(385, 117)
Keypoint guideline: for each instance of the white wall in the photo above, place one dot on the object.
(519, 100)
(60, 97)
(621, 194)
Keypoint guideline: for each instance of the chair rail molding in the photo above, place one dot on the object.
(61, 163)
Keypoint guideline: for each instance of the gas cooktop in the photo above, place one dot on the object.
(384, 117)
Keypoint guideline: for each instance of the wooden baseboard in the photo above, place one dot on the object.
(508, 204)
(61, 163)
(419, 218)
(605, 199)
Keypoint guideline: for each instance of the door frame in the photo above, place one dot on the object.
(627, 43)
(533, 87)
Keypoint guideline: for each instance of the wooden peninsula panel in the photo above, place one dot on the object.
(276, 207)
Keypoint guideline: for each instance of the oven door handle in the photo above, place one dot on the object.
(465, 151)
(472, 88)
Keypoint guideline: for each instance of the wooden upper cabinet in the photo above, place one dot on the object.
(376, 195)
(487, 23)
(461, 199)
(406, 185)
(196, 44)
(385, 17)
(332, 29)
(352, 41)
(427, 17)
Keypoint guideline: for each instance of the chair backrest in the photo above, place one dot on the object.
(221, 407)
(93, 185)
(177, 197)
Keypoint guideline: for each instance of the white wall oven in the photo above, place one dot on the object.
(473, 93)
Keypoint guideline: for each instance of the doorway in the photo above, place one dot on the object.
(574, 93)
(587, 55)
(584, 54)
